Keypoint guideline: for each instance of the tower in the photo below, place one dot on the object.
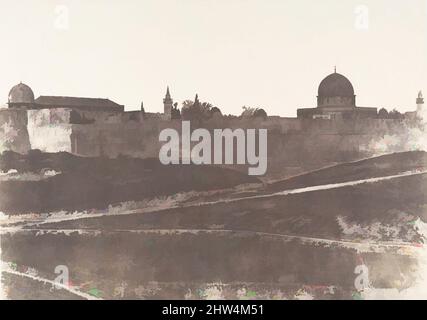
(420, 104)
(167, 105)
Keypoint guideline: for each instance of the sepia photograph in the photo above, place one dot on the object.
(226, 150)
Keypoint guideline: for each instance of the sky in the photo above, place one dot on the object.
(233, 53)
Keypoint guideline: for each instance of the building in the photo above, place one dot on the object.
(21, 96)
(335, 100)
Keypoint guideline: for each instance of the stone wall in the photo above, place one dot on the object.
(133, 138)
(50, 130)
(13, 131)
(293, 144)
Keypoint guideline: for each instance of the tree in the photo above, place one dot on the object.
(196, 110)
(383, 113)
(249, 112)
(215, 112)
(394, 114)
(191, 110)
(176, 114)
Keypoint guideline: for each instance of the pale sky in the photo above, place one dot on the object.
(261, 53)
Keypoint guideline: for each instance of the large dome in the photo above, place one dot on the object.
(336, 85)
(21, 93)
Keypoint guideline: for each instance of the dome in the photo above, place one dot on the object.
(21, 93)
(336, 85)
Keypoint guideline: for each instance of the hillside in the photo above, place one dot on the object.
(263, 247)
(386, 165)
(46, 182)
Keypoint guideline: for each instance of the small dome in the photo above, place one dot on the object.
(336, 85)
(21, 93)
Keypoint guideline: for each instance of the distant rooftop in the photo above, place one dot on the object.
(70, 102)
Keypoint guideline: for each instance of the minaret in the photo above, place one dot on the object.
(420, 105)
(167, 105)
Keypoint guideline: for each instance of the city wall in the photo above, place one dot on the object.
(292, 143)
